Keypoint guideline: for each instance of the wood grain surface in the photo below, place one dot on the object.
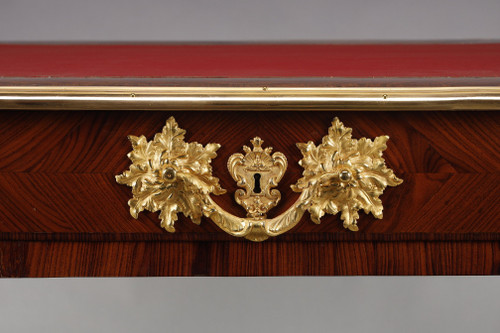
(239, 258)
(63, 214)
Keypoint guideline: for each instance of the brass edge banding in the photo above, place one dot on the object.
(249, 98)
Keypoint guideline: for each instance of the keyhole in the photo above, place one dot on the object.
(256, 188)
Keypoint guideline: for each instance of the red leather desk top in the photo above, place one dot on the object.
(251, 60)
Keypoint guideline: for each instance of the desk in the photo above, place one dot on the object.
(67, 110)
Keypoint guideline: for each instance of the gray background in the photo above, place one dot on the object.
(230, 20)
(314, 304)
(352, 304)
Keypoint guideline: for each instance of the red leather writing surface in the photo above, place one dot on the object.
(319, 60)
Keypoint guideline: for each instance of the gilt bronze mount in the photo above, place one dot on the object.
(341, 175)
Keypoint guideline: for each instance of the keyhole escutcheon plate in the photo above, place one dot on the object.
(257, 172)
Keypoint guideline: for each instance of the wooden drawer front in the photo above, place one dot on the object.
(60, 203)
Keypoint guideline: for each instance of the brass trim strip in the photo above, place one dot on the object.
(248, 98)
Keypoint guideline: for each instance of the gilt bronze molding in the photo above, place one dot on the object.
(263, 98)
(341, 175)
